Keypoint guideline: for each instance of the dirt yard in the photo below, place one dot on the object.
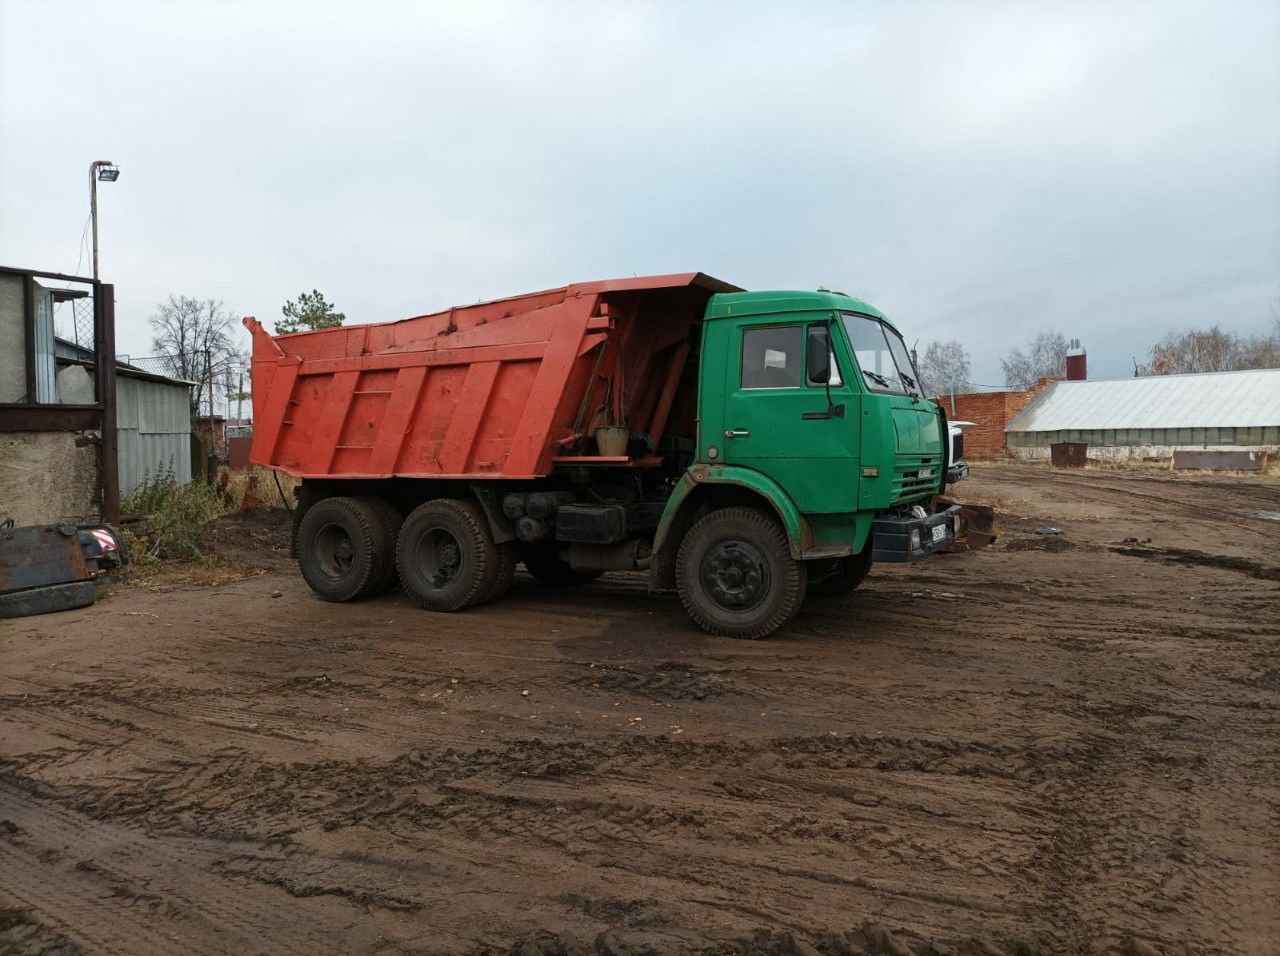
(1062, 744)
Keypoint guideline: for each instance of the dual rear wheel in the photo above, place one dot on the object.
(442, 552)
(345, 548)
(447, 558)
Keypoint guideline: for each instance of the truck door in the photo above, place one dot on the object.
(777, 420)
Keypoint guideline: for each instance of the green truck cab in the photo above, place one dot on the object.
(811, 401)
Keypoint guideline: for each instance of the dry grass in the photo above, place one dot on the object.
(1150, 466)
(172, 529)
(1164, 468)
(264, 482)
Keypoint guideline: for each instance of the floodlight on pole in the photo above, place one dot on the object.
(100, 170)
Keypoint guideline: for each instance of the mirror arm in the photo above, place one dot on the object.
(831, 351)
(833, 411)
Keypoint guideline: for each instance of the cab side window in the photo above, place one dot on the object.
(773, 357)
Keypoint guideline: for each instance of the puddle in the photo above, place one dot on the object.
(1268, 515)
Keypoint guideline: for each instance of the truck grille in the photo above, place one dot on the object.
(907, 483)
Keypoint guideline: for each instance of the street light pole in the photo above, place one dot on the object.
(106, 171)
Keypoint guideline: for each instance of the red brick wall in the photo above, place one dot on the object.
(991, 412)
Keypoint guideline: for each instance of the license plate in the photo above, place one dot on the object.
(939, 532)
(925, 473)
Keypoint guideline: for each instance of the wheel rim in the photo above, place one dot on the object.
(439, 557)
(335, 552)
(735, 574)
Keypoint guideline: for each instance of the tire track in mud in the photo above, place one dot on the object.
(77, 874)
(756, 802)
(1033, 751)
(1200, 500)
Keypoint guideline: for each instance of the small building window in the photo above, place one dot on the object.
(773, 357)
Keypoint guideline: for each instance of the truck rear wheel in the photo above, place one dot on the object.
(736, 576)
(839, 575)
(391, 518)
(342, 549)
(446, 556)
(506, 570)
(542, 560)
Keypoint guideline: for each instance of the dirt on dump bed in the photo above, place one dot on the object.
(1069, 742)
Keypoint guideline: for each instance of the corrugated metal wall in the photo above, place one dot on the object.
(1183, 437)
(154, 422)
(46, 370)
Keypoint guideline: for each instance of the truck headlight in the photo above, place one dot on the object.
(914, 539)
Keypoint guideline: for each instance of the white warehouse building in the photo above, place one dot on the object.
(1153, 416)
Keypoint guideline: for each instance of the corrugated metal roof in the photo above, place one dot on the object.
(1249, 399)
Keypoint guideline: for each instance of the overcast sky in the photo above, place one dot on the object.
(979, 171)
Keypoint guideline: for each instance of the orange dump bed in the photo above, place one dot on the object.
(505, 389)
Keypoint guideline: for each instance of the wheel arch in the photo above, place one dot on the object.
(703, 488)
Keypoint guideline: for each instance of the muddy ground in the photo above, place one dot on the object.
(1062, 744)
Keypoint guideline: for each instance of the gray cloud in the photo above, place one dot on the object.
(979, 171)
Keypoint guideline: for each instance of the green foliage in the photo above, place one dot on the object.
(307, 312)
(170, 518)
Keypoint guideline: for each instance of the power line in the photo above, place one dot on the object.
(84, 235)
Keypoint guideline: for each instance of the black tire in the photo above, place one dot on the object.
(735, 574)
(446, 556)
(839, 575)
(48, 599)
(391, 518)
(342, 549)
(506, 570)
(542, 560)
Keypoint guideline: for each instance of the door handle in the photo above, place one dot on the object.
(737, 433)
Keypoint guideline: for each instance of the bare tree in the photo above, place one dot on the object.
(1199, 350)
(1213, 350)
(196, 339)
(1045, 356)
(1262, 351)
(944, 366)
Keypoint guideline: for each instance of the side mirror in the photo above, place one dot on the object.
(818, 359)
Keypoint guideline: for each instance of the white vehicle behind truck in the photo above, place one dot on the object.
(959, 468)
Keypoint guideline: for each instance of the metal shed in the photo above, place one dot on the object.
(153, 423)
(153, 419)
(1152, 416)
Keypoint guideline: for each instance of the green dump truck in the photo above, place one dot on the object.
(743, 448)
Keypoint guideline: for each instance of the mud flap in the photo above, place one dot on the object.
(977, 525)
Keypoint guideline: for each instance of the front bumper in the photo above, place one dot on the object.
(909, 539)
(957, 471)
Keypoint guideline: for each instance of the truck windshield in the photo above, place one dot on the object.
(881, 354)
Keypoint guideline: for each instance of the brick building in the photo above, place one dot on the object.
(991, 413)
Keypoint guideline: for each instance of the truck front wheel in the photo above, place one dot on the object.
(446, 556)
(342, 549)
(736, 576)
